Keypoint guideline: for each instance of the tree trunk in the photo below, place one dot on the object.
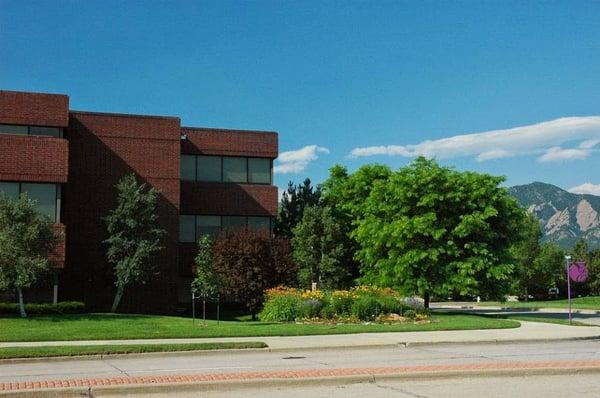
(21, 304)
(426, 299)
(117, 300)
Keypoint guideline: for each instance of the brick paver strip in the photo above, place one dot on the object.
(293, 374)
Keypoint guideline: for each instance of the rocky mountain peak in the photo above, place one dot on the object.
(564, 216)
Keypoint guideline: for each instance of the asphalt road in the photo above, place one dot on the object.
(240, 361)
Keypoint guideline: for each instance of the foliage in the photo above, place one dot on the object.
(319, 251)
(63, 307)
(248, 262)
(27, 238)
(539, 267)
(431, 230)
(364, 303)
(581, 252)
(134, 234)
(366, 308)
(291, 207)
(281, 308)
(206, 281)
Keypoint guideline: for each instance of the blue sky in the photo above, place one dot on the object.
(384, 81)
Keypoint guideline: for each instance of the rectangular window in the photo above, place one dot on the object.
(187, 228)
(208, 225)
(46, 131)
(13, 129)
(235, 169)
(10, 189)
(209, 168)
(188, 168)
(31, 130)
(259, 171)
(234, 222)
(260, 223)
(45, 197)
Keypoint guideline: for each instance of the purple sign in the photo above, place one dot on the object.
(578, 272)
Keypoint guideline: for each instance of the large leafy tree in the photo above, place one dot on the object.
(432, 230)
(247, 262)
(525, 251)
(291, 207)
(134, 234)
(27, 238)
(319, 250)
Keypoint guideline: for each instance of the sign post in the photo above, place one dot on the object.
(568, 258)
(577, 272)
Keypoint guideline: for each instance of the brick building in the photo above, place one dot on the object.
(69, 162)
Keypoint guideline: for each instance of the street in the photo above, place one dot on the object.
(253, 361)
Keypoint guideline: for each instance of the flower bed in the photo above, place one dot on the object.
(359, 304)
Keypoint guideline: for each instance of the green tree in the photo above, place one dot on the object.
(26, 240)
(248, 262)
(291, 207)
(549, 270)
(581, 252)
(319, 251)
(134, 234)
(526, 251)
(206, 281)
(431, 230)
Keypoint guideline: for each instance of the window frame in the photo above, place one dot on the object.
(222, 180)
(246, 225)
(28, 133)
(57, 196)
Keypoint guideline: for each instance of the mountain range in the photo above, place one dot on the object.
(564, 216)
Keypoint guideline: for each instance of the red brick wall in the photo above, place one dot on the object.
(57, 257)
(105, 147)
(229, 142)
(34, 109)
(31, 158)
(228, 199)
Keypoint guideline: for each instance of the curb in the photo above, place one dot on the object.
(234, 385)
(92, 357)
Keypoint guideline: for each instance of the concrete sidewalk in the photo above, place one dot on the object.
(529, 331)
(476, 306)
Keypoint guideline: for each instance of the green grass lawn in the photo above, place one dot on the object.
(65, 351)
(582, 303)
(111, 327)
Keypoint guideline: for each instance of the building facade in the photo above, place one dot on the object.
(69, 162)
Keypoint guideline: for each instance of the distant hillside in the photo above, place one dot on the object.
(564, 216)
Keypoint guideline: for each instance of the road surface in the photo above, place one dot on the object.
(253, 361)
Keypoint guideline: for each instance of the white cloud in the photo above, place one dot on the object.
(497, 144)
(557, 153)
(589, 144)
(587, 188)
(296, 161)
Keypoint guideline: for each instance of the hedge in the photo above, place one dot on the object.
(64, 307)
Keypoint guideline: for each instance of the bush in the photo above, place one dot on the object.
(391, 305)
(340, 303)
(282, 305)
(365, 303)
(310, 308)
(64, 307)
(366, 308)
(410, 314)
